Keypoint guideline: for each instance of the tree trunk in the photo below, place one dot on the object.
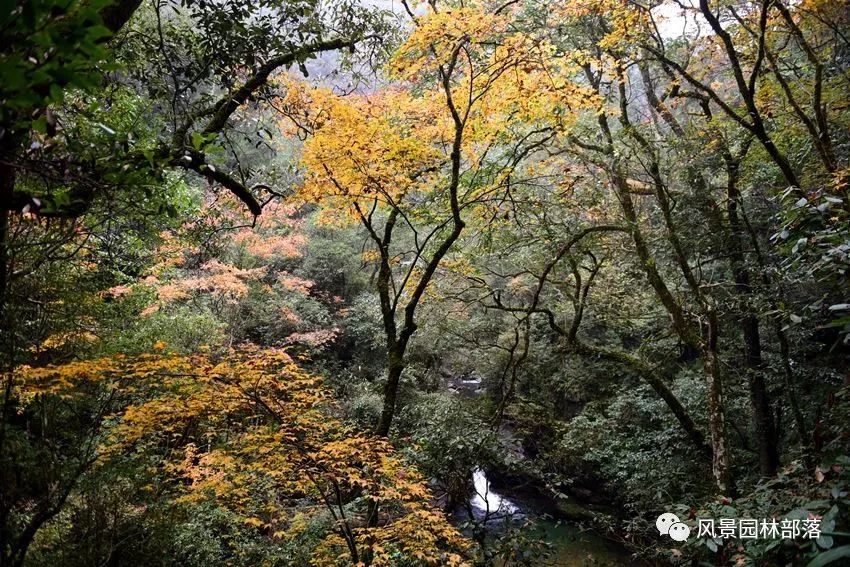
(790, 389)
(732, 240)
(721, 464)
(766, 434)
(721, 458)
(760, 400)
(395, 366)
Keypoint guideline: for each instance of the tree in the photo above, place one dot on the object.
(202, 53)
(422, 157)
(88, 155)
(251, 431)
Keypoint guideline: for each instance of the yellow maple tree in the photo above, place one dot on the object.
(251, 431)
(470, 100)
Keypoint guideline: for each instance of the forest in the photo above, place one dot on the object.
(412, 283)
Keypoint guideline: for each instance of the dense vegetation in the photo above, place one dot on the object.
(280, 282)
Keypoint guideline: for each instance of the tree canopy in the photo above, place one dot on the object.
(328, 282)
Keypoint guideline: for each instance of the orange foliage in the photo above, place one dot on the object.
(251, 431)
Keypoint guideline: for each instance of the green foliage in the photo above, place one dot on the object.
(567, 338)
(365, 409)
(448, 441)
(626, 442)
(793, 494)
(184, 329)
(48, 46)
(815, 238)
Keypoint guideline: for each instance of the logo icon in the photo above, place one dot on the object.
(664, 522)
(679, 531)
(669, 524)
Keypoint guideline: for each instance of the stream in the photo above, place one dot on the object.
(571, 545)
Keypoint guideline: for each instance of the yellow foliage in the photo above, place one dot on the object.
(459, 70)
(626, 24)
(252, 431)
(440, 34)
(378, 146)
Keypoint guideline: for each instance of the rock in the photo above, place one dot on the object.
(569, 509)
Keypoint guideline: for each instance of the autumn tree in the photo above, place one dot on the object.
(437, 147)
(92, 164)
(632, 146)
(251, 431)
(212, 61)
